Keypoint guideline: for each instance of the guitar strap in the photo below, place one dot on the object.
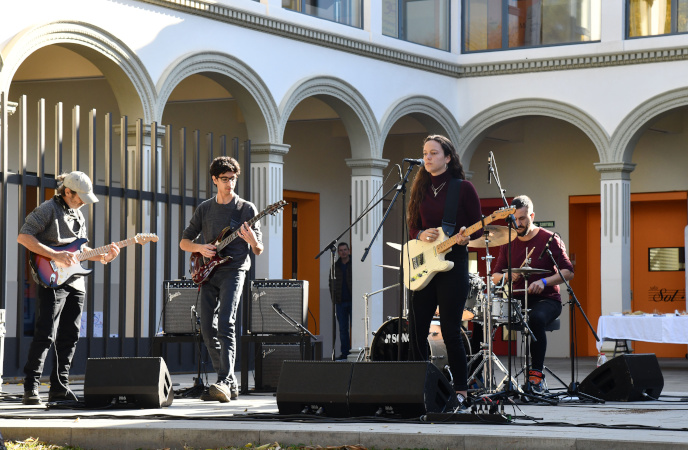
(235, 223)
(450, 206)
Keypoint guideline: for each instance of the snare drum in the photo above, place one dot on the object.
(500, 310)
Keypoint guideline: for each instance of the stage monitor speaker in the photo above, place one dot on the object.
(625, 379)
(291, 296)
(314, 386)
(268, 363)
(145, 382)
(407, 389)
(180, 311)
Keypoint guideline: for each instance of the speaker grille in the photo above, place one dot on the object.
(290, 295)
(271, 358)
(180, 297)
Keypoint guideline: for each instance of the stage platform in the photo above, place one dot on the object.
(254, 418)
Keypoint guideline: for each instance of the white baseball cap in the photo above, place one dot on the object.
(80, 183)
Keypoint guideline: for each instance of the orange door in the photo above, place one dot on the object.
(657, 222)
(301, 244)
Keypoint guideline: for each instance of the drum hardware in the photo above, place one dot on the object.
(366, 320)
(526, 271)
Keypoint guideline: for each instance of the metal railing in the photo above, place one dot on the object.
(147, 181)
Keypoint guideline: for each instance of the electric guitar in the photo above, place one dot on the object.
(202, 267)
(51, 274)
(422, 260)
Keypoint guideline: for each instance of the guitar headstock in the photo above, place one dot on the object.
(275, 207)
(502, 213)
(144, 238)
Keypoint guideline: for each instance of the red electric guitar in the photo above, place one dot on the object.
(202, 267)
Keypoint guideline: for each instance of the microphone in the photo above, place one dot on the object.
(276, 307)
(547, 245)
(414, 162)
(489, 168)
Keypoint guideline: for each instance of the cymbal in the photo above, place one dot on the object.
(388, 267)
(525, 270)
(394, 245)
(496, 235)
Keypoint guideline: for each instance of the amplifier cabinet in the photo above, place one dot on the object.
(180, 310)
(269, 359)
(289, 296)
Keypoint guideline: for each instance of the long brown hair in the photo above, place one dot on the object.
(422, 179)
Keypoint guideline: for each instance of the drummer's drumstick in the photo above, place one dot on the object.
(527, 256)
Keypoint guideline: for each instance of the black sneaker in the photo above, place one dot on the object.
(58, 396)
(220, 392)
(31, 398)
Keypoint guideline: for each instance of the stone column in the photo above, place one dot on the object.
(366, 179)
(615, 236)
(267, 186)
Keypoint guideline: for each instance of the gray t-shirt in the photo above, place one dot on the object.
(211, 217)
(55, 224)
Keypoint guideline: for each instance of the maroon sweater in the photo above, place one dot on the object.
(432, 208)
(518, 254)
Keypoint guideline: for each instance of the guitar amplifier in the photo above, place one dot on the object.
(181, 311)
(269, 359)
(288, 296)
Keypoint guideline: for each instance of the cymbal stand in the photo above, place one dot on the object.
(366, 322)
(489, 359)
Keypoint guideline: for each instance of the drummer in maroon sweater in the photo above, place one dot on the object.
(448, 290)
(544, 299)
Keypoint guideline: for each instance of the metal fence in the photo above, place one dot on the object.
(149, 179)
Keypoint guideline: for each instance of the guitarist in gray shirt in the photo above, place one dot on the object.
(222, 282)
(56, 223)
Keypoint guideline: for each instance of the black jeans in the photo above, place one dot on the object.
(448, 290)
(542, 311)
(57, 322)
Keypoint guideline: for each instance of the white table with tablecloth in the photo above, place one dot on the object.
(665, 328)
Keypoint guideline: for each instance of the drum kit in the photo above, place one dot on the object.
(486, 304)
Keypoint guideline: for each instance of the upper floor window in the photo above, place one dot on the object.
(424, 22)
(501, 25)
(347, 12)
(656, 17)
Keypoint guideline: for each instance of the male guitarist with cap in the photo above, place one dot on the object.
(57, 223)
(221, 290)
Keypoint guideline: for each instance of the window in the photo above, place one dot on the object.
(667, 259)
(347, 12)
(656, 17)
(424, 22)
(500, 25)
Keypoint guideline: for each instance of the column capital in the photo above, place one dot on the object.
(367, 166)
(615, 170)
(469, 174)
(11, 107)
(131, 130)
(268, 152)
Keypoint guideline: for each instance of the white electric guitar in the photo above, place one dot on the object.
(422, 260)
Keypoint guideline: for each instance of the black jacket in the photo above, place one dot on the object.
(337, 293)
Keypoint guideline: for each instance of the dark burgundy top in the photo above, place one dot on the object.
(432, 208)
(518, 254)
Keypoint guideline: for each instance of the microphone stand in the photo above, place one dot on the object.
(572, 390)
(400, 188)
(303, 331)
(332, 246)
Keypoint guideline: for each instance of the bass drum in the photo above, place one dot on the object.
(385, 346)
(438, 351)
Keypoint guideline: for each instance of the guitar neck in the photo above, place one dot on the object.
(446, 245)
(104, 249)
(223, 243)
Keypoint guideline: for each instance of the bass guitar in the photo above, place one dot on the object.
(51, 274)
(423, 260)
(202, 267)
